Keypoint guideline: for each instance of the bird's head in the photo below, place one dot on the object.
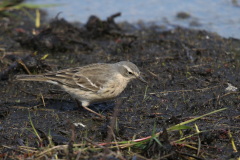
(129, 70)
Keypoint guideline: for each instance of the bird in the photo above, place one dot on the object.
(92, 83)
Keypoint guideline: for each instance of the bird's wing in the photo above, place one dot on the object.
(93, 77)
(64, 77)
(89, 78)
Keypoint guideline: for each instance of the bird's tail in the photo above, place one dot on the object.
(30, 78)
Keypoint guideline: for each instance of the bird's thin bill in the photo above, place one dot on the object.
(141, 79)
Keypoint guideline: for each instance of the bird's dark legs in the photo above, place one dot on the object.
(79, 106)
(85, 107)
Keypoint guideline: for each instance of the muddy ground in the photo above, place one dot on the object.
(189, 73)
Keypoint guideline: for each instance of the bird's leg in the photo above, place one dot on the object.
(93, 111)
(78, 104)
(88, 109)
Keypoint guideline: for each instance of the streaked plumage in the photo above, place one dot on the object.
(92, 83)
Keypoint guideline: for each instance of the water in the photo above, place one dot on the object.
(220, 16)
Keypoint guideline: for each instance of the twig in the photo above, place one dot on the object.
(43, 100)
(72, 129)
(105, 148)
(135, 154)
(100, 146)
(221, 97)
(13, 148)
(21, 62)
(115, 140)
(152, 73)
(165, 58)
(70, 144)
(114, 16)
(113, 121)
(230, 93)
(41, 153)
(198, 65)
(13, 66)
(199, 141)
(232, 141)
(189, 155)
(6, 156)
(78, 155)
(219, 94)
(168, 155)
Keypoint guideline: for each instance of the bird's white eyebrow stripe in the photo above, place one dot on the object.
(127, 68)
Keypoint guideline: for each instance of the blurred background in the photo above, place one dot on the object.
(220, 16)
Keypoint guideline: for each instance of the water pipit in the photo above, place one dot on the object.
(92, 83)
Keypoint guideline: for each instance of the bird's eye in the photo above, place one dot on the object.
(130, 73)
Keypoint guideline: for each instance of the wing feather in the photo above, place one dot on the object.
(92, 77)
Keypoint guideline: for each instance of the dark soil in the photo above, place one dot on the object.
(188, 73)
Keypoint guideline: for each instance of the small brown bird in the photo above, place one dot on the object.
(92, 83)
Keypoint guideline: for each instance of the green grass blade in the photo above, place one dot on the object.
(189, 136)
(155, 138)
(34, 128)
(189, 121)
(179, 127)
(154, 130)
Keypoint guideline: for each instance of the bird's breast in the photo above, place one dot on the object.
(114, 87)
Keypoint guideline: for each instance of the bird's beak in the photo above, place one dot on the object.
(141, 79)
